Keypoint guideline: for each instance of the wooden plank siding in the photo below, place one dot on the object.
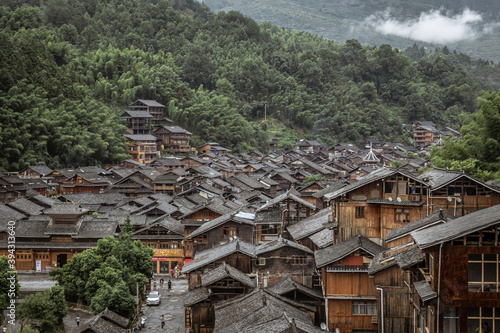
(350, 284)
(341, 317)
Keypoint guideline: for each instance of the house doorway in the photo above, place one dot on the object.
(62, 259)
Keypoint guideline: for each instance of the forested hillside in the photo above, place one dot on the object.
(341, 20)
(69, 68)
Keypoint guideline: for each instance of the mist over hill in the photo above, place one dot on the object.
(468, 26)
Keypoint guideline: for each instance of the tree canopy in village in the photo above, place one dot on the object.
(69, 68)
(108, 275)
(478, 152)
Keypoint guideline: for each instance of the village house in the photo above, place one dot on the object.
(142, 147)
(138, 122)
(350, 294)
(221, 230)
(154, 108)
(174, 140)
(462, 259)
(221, 283)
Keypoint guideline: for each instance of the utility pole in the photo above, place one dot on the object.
(265, 111)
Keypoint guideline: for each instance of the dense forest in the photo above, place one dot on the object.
(69, 68)
(341, 20)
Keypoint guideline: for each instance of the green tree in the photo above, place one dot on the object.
(43, 311)
(108, 275)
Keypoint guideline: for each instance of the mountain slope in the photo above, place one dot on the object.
(341, 20)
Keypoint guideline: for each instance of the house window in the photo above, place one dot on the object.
(360, 212)
(477, 317)
(483, 273)
(203, 239)
(401, 215)
(261, 261)
(299, 260)
(364, 308)
(229, 231)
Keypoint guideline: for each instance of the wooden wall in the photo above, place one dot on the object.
(340, 316)
(354, 284)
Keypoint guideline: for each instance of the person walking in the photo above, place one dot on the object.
(169, 283)
(161, 283)
(77, 321)
(162, 321)
(172, 273)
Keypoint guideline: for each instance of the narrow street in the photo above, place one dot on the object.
(171, 307)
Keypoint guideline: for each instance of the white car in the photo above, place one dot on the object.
(153, 298)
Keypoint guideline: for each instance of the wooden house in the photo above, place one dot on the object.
(165, 236)
(425, 133)
(142, 147)
(261, 311)
(222, 230)
(213, 148)
(350, 294)
(237, 254)
(105, 321)
(196, 217)
(47, 241)
(463, 261)
(85, 182)
(375, 204)
(174, 140)
(154, 108)
(280, 258)
(302, 231)
(34, 172)
(290, 288)
(222, 283)
(457, 193)
(12, 188)
(396, 302)
(273, 217)
(137, 184)
(138, 122)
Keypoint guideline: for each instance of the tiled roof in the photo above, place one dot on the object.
(434, 218)
(195, 295)
(136, 114)
(309, 225)
(26, 207)
(323, 238)
(338, 251)
(208, 256)
(220, 221)
(278, 244)
(287, 195)
(223, 271)
(258, 307)
(458, 227)
(288, 284)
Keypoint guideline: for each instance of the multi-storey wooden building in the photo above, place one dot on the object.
(174, 140)
(457, 193)
(463, 261)
(142, 147)
(138, 122)
(154, 108)
(350, 294)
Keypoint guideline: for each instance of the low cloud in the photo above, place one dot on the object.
(433, 26)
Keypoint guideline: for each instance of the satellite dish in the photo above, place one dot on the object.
(458, 199)
(398, 199)
(323, 326)
(449, 199)
(390, 199)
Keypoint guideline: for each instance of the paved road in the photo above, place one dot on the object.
(171, 307)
